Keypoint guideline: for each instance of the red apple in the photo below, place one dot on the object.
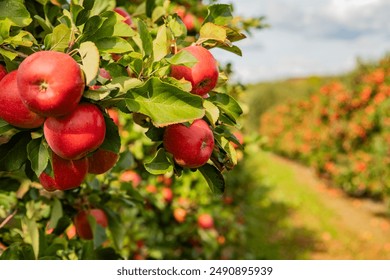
(101, 161)
(189, 21)
(203, 75)
(125, 14)
(130, 176)
(68, 174)
(167, 194)
(114, 115)
(190, 146)
(50, 83)
(12, 108)
(75, 135)
(239, 137)
(179, 214)
(3, 72)
(82, 225)
(205, 221)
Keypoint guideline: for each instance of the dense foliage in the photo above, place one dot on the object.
(142, 193)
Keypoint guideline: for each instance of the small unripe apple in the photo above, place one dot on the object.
(83, 226)
(205, 221)
(50, 83)
(12, 108)
(125, 15)
(3, 72)
(180, 215)
(101, 161)
(75, 135)
(191, 146)
(203, 75)
(68, 174)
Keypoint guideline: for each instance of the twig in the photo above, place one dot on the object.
(15, 51)
(6, 220)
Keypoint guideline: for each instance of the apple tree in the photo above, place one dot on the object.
(109, 109)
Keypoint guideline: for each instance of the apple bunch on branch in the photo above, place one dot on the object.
(66, 71)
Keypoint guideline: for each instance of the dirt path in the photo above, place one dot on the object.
(344, 227)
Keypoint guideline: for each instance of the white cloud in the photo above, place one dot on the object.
(310, 37)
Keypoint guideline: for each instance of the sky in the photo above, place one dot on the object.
(306, 37)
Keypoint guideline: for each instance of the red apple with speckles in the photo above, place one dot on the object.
(68, 174)
(12, 108)
(50, 83)
(101, 161)
(203, 75)
(75, 135)
(205, 221)
(191, 146)
(83, 227)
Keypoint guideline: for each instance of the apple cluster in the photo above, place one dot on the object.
(192, 146)
(46, 90)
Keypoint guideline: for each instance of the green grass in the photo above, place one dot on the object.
(286, 215)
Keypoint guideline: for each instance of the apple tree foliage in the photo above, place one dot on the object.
(36, 224)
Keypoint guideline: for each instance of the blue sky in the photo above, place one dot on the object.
(309, 37)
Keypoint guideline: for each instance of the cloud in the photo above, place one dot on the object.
(338, 19)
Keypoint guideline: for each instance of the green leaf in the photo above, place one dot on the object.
(164, 104)
(161, 44)
(214, 178)
(212, 111)
(99, 232)
(5, 127)
(13, 154)
(228, 105)
(182, 58)
(116, 227)
(150, 5)
(60, 38)
(32, 234)
(146, 38)
(211, 31)
(8, 54)
(124, 84)
(113, 45)
(90, 59)
(177, 27)
(112, 141)
(220, 14)
(56, 213)
(15, 11)
(38, 155)
(102, 5)
(160, 164)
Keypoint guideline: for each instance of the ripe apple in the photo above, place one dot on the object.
(114, 115)
(189, 21)
(131, 176)
(101, 161)
(50, 83)
(3, 72)
(191, 146)
(205, 221)
(12, 108)
(151, 188)
(239, 137)
(203, 75)
(179, 214)
(75, 135)
(167, 194)
(82, 225)
(68, 174)
(125, 14)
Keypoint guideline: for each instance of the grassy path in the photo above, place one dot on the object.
(294, 215)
